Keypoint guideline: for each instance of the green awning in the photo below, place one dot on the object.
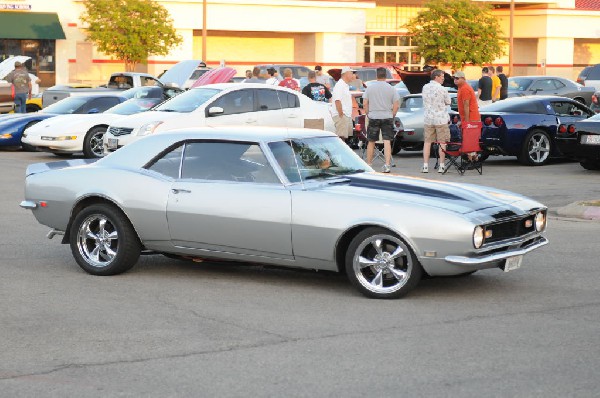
(30, 25)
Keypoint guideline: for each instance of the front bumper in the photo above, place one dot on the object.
(486, 260)
(67, 146)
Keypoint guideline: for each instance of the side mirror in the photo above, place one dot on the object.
(215, 111)
(94, 110)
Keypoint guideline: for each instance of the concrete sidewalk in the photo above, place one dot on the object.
(587, 210)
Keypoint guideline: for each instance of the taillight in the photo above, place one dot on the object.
(562, 129)
(487, 121)
(571, 129)
(498, 121)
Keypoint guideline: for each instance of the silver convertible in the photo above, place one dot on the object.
(289, 197)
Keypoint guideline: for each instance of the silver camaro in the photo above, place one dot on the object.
(290, 197)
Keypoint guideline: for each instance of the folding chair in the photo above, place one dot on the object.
(465, 155)
(363, 141)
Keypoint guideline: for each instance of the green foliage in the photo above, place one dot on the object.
(456, 32)
(130, 30)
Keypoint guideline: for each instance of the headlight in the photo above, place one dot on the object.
(148, 128)
(540, 221)
(478, 237)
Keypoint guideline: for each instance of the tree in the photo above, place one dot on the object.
(456, 32)
(130, 30)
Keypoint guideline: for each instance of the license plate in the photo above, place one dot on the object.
(112, 143)
(590, 139)
(513, 263)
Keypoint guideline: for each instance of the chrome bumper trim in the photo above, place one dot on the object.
(498, 256)
(28, 204)
(53, 232)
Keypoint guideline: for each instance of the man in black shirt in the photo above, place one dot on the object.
(503, 81)
(484, 92)
(316, 91)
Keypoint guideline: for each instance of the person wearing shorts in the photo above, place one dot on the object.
(435, 103)
(380, 102)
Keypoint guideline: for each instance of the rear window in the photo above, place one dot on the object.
(594, 73)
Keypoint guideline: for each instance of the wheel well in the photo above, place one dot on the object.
(89, 201)
(96, 126)
(344, 243)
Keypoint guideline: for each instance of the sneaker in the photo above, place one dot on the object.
(386, 168)
(425, 169)
(441, 169)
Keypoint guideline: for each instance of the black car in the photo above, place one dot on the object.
(581, 140)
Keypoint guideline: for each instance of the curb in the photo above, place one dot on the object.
(580, 210)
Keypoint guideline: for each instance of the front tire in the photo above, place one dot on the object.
(93, 146)
(103, 241)
(536, 149)
(381, 265)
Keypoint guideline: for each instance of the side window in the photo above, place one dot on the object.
(562, 108)
(149, 81)
(267, 100)
(120, 81)
(557, 84)
(226, 161)
(542, 85)
(168, 164)
(239, 101)
(288, 100)
(101, 104)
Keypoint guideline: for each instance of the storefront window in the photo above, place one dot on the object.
(46, 55)
(379, 57)
(403, 57)
(404, 41)
(379, 41)
(390, 57)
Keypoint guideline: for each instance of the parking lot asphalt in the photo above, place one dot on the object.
(170, 328)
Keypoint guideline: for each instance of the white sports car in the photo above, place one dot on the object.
(245, 104)
(73, 133)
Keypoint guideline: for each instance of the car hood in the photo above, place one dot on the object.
(23, 118)
(8, 65)
(454, 197)
(180, 72)
(68, 124)
(414, 81)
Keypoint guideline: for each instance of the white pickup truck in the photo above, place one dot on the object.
(118, 82)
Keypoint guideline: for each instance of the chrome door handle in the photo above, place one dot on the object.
(176, 191)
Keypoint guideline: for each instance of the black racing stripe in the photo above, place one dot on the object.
(397, 186)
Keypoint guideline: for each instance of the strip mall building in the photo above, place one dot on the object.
(550, 37)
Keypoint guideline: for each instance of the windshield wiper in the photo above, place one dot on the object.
(322, 174)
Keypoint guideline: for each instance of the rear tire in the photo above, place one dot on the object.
(103, 240)
(536, 148)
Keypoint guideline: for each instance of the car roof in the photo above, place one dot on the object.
(228, 86)
(142, 151)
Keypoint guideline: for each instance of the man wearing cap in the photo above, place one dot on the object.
(22, 84)
(341, 100)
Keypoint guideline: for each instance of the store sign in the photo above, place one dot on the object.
(15, 7)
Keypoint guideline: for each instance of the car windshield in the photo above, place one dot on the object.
(518, 83)
(188, 101)
(66, 106)
(134, 105)
(316, 158)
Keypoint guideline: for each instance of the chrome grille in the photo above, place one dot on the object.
(117, 131)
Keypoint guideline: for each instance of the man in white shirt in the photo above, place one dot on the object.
(341, 100)
(435, 104)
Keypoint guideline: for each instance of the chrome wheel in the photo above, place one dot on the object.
(93, 146)
(536, 150)
(382, 265)
(97, 241)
